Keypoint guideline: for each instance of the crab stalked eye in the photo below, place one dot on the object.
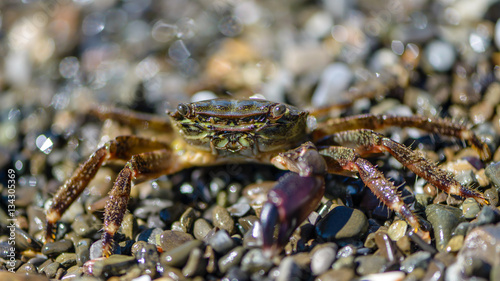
(184, 109)
(277, 111)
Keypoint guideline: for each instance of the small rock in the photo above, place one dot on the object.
(66, 260)
(470, 208)
(231, 259)
(58, 247)
(323, 257)
(146, 255)
(51, 269)
(222, 219)
(343, 274)
(221, 242)
(370, 264)
(114, 265)
(440, 55)
(171, 239)
(386, 276)
(488, 215)
(254, 261)
(416, 260)
(178, 256)
(342, 223)
(201, 228)
(196, 263)
(289, 270)
(397, 229)
(492, 171)
(455, 243)
(82, 251)
(187, 219)
(333, 82)
(482, 243)
(491, 194)
(387, 246)
(443, 219)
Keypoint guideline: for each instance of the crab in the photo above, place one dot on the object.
(222, 131)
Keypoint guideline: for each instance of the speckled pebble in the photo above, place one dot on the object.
(470, 208)
(171, 239)
(222, 219)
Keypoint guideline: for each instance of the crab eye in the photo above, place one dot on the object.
(183, 109)
(278, 110)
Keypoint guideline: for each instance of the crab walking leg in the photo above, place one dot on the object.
(120, 148)
(341, 159)
(145, 165)
(432, 125)
(132, 118)
(367, 141)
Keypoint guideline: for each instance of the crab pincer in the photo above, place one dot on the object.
(294, 197)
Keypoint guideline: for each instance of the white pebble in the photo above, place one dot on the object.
(335, 79)
(440, 55)
(386, 276)
(203, 95)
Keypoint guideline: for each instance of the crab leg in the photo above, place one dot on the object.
(144, 165)
(121, 148)
(340, 159)
(374, 122)
(132, 118)
(366, 142)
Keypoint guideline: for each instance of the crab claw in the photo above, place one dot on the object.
(289, 203)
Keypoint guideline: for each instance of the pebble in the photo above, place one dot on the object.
(178, 256)
(51, 269)
(386, 276)
(221, 242)
(416, 260)
(491, 194)
(440, 55)
(387, 247)
(397, 229)
(114, 265)
(342, 223)
(289, 270)
(24, 241)
(254, 261)
(171, 239)
(222, 219)
(492, 171)
(470, 208)
(332, 84)
(86, 225)
(322, 257)
(482, 243)
(57, 247)
(342, 274)
(201, 228)
(370, 264)
(488, 215)
(82, 251)
(187, 219)
(4, 275)
(66, 260)
(239, 209)
(146, 255)
(231, 259)
(443, 219)
(195, 264)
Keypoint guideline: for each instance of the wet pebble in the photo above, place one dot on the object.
(66, 260)
(289, 270)
(236, 273)
(387, 246)
(416, 260)
(343, 274)
(492, 171)
(196, 264)
(151, 235)
(146, 255)
(470, 208)
(254, 261)
(221, 242)
(231, 259)
(488, 215)
(82, 251)
(370, 264)
(397, 229)
(239, 209)
(443, 219)
(323, 257)
(201, 228)
(171, 239)
(222, 219)
(491, 194)
(482, 243)
(178, 256)
(51, 269)
(86, 225)
(114, 265)
(57, 247)
(342, 223)
(440, 55)
(386, 276)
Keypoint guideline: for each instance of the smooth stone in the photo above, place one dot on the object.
(51, 269)
(387, 246)
(254, 261)
(253, 237)
(95, 250)
(385, 276)
(222, 219)
(66, 260)
(171, 239)
(246, 223)
(201, 228)
(482, 243)
(57, 247)
(322, 257)
(455, 243)
(470, 208)
(178, 256)
(488, 215)
(370, 264)
(491, 194)
(397, 230)
(5, 275)
(416, 260)
(239, 209)
(28, 269)
(187, 219)
(146, 255)
(342, 274)
(342, 223)
(440, 55)
(334, 81)
(289, 270)
(195, 264)
(73, 273)
(344, 262)
(82, 251)
(86, 225)
(492, 171)
(236, 274)
(231, 259)
(221, 242)
(24, 241)
(114, 265)
(443, 219)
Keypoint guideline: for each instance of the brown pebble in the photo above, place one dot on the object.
(222, 219)
(170, 239)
